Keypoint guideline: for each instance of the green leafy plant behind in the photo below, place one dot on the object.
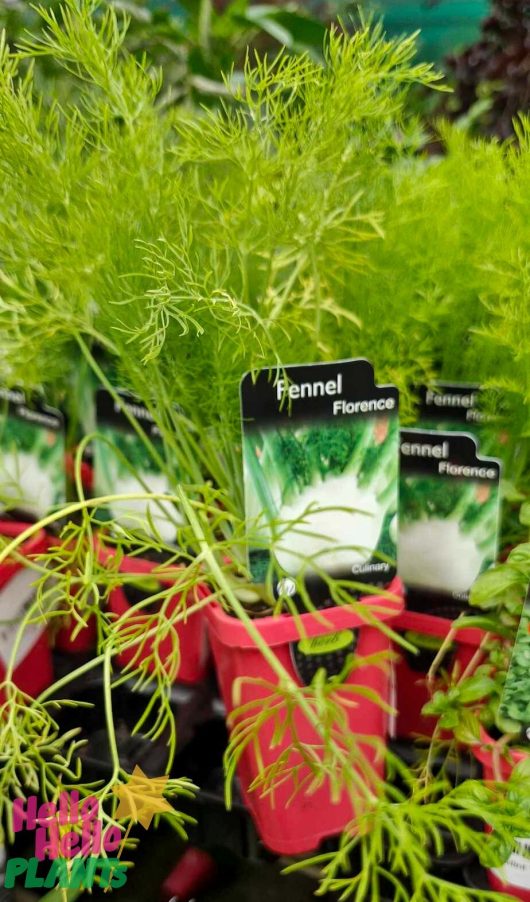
(194, 42)
(450, 280)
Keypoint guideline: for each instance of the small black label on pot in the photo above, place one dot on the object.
(321, 453)
(330, 652)
(449, 518)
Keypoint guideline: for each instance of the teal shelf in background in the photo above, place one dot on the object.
(446, 25)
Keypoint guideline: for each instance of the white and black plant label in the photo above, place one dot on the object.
(516, 871)
(449, 518)
(321, 449)
(15, 598)
(124, 467)
(449, 405)
(32, 447)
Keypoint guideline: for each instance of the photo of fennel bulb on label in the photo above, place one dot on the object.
(24, 485)
(32, 479)
(123, 468)
(434, 553)
(157, 517)
(447, 533)
(335, 524)
(326, 492)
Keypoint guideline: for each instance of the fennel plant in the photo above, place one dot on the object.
(182, 248)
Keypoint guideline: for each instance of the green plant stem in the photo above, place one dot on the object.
(72, 675)
(62, 895)
(111, 733)
(239, 609)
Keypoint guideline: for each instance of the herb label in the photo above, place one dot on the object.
(321, 453)
(124, 466)
(15, 599)
(450, 405)
(457, 407)
(32, 449)
(332, 652)
(516, 871)
(515, 701)
(329, 642)
(449, 518)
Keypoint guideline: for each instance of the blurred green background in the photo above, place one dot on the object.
(483, 46)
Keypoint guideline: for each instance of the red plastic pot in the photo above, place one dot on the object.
(412, 691)
(288, 823)
(63, 636)
(514, 877)
(80, 644)
(86, 471)
(34, 670)
(191, 633)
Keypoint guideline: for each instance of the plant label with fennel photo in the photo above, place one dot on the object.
(32, 449)
(514, 706)
(450, 406)
(461, 407)
(321, 458)
(124, 466)
(449, 518)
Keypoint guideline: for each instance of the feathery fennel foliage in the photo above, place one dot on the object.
(141, 230)
(188, 247)
(455, 258)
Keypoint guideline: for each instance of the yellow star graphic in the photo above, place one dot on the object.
(141, 798)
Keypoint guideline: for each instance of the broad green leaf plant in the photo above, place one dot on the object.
(168, 251)
(473, 700)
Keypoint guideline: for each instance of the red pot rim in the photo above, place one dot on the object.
(139, 565)
(440, 627)
(484, 754)
(165, 574)
(13, 529)
(284, 628)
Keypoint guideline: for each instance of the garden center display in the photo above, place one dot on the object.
(266, 364)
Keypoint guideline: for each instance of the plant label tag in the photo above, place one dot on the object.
(321, 455)
(15, 598)
(32, 451)
(450, 406)
(516, 871)
(332, 652)
(460, 407)
(515, 701)
(123, 466)
(449, 518)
